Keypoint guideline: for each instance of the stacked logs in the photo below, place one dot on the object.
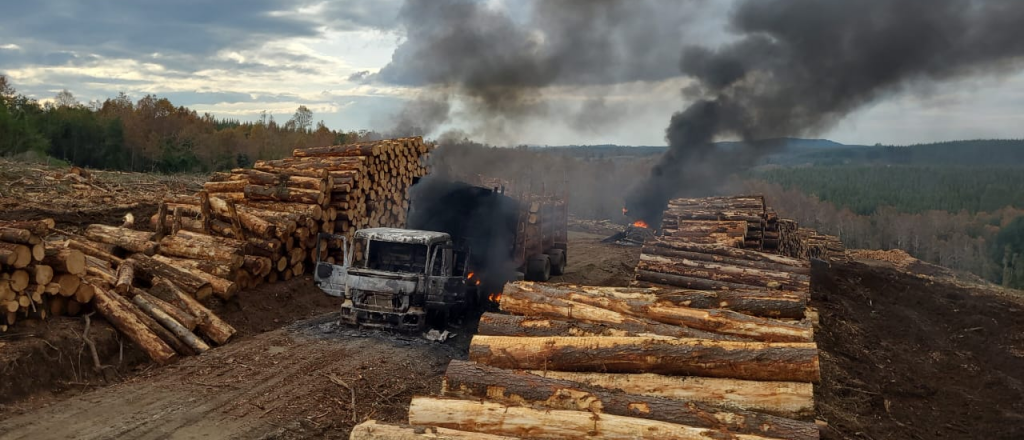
(727, 221)
(576, 361)
(258, 225)
(39, 279)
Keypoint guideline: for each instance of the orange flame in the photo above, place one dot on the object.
(470, 276)
(495, 297)
(641, 224)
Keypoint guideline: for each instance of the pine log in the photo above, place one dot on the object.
(729, 252)
(160, 331)
(699, 256)
(41, 274)
(210, 267)
(494, 324)
(85, 292)
(150, 268)
(183, 334)
(209, 324)
(99, 250)
(19, 236)
(184, 318)
(314, 211)
(254, 223)
(127, 323)
(258, 266)
(293, 195)
(19, 280)
(719, 321)
(533, 304)
(360, 149)
(127, 239)
(68, 284)
(160, 224)
(226, 186)
(39, 228)
(371, 430)
(15, 255)
(125, 277)
(687, 282)
(206, 248)
(65, 260)
(470, 380)
(775, 361)
(794, 400)
(724, 272)
(495, 418)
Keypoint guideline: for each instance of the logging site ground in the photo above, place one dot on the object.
(908, 350)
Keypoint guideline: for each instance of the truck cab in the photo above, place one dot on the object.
(393, 278)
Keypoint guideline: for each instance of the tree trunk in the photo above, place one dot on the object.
(495, 418)
(724, 322)
(776, 361)
(371, 430)
(312, 211)
(209, 249)
(127, 239)
(728, 252)
(163, 333)
(723, 272)
(175, 327)
(253, 223)
(216, 269)
(715, 258)
(97, 250)
(39, 228)
(150, 268)
(15, 255)
(293, 195)
(65, 261)
(125, 277)
(19, 236)
(686, 282)
(528, 303)
(127, 323)
(794, 400)
(209, 324)
(184, 318)
(469, 380)
(494, 324)
(360, 149)
(41, 274)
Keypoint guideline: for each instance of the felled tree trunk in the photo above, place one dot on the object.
(718, 321)
(776, 361)
(208, 323)
(65, 261)
(494, 324)
(189, 281)
(175, 327)
(371, 430)
(128, 324)
(469, 380)
(724, 272)
(495, 418)
(185, 244)
(794, 400)
(127, 239)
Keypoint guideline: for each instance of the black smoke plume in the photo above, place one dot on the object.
(480, 219)
(800, 66)
(496, 62)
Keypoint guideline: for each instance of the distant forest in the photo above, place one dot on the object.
(150, 134)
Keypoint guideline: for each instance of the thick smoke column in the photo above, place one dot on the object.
(496, 62)
(800, 66)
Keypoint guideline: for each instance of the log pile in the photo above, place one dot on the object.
(585, 361)
(727, 221)
(258, 225)
(39, 279)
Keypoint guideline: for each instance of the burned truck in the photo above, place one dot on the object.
(461, 244)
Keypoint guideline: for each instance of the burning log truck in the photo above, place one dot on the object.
(460, 245)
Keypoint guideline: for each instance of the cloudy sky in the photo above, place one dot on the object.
(237, 58)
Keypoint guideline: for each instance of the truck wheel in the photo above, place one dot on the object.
(557, 257)
(538, 268)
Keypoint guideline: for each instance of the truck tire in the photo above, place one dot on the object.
(557, 257)
(538, 268)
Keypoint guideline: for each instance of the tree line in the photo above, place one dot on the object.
(150, 134)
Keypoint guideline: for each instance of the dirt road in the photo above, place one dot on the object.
(288, 383)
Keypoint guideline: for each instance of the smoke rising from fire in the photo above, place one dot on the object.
(800, 66)
(501, 63)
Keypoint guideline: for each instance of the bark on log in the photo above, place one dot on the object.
(794, 400)
(85, 292)
(163, 333)
(686, 282)
(97, 250)
(533, 304)
(226, 186)
(495, 418)
(39, 228)
(210, 267)
(127, 323)
(15, 255)
(718, 321)
(65, 261)
(314, 211)
(125, 277)
(254, 223)
(360, 149)
(127, 239)
(68, 284)
(775, 361)
(41, 274)
(208, 248)
(175, 327)
(494, 324)
(149, 268)
(209, 324)
(19, 236)
(371, 430)
(293, 195)
(469, 380)
(699, 256)
(184, 318)
(724, 272)
(729, 252)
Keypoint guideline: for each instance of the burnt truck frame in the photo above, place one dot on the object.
(405, 276)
